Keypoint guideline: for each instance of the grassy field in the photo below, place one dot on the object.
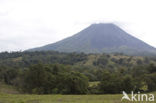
(9, 94)
(18, 98)
(12, 98)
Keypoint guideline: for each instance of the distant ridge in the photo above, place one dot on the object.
(101, 38)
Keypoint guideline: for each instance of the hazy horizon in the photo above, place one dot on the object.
(34, 23)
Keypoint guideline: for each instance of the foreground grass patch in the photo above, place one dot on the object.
(5, 98)
(18, 98)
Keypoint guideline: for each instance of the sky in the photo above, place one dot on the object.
(26, 24)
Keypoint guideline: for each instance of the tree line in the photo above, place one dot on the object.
(64, 79)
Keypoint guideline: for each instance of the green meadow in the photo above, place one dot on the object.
(9, 94)
(18, 98)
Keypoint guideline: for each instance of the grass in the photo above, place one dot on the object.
(7, 89)
(7, 98)
(21, 98)
(9, 95)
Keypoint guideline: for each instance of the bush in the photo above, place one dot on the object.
(41, 79)
(76, 83)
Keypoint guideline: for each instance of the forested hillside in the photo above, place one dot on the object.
(104, 61)
(52, 72)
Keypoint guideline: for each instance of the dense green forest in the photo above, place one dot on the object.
(51, 72)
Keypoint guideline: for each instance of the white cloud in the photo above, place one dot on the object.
(31, 23)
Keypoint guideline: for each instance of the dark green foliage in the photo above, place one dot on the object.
(115, 83)
(150, 78)
(53, 79)
(38, 79)
(102, 61)
(127, 83)
(134, 80)
(69, 73)
(139, 62)
(111, 86)
(8, 75)
(76, 83)
(152, 68)
(26, 59)
(151, 81)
